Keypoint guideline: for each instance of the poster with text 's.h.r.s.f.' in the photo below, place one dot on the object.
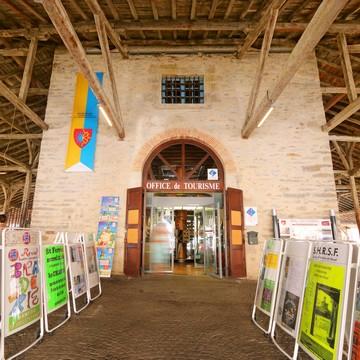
(106, 235)
(291, 285)
(268, 274)
(22, 286)
(322, 312)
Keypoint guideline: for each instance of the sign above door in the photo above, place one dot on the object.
(198, 186)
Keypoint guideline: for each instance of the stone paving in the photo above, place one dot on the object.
(162, 317)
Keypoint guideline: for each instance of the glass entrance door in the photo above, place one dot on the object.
(159, 240)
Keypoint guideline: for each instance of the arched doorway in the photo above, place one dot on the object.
(177, 221)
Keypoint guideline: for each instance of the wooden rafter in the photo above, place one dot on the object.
(344, 138)
(197, 167)
(13, 160)
(268, 35)
(337, 90)
(254, 34)
(321, 21)
(166, 163)
(20, 136)
(135, 15)
(20, 105)
(61, 21)
(156, 15)
(346, 66)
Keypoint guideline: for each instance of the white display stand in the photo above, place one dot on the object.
(59, 242)
(267, 284)
(291, 292)
(21, 284)
(325, 303)
(91, 264)
(77, 271)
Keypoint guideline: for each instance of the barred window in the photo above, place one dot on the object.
(182, 90)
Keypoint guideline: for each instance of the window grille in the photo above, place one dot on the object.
(182, 90)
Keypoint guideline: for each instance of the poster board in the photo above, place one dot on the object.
(306, 229)
(322, 327)
(106, 234)
(267, 281)
(291, 291)
(21, 284)
(77, 269)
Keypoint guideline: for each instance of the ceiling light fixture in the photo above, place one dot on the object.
(265, 116)
(106, 116)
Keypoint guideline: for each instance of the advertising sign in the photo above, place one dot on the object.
(107, 232)
(306, 229)
(322, 312)
(251, 216)
(291, 285)
(55, 277)
(77, 269)
(93, 274)
(22, 285)
(268, 275)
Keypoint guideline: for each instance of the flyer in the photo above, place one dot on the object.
(291, 284)
(267, 280)
(55, 277)
(105, 257)
(77, 269)
(306, 229)
(22, 286)
(106, 233)
(323, 300)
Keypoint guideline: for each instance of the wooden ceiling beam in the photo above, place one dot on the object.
(355, 49)
(29, 65)
(336, 90)
(156, 15)
(341, 155)
(104, 44)
(113, 9)
(20, 105)
(319, 24)
(14, 52)
(265, 48)
(254, 34)
(343, 115)
(78, 9)
(61, 21)
(13, 160)
(346, 67)
(12, 168)
(114, 37)
(20, 136)
(135, 15)
(185, 25)
(32, 11)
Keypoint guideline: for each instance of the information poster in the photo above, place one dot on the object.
(291, 285)
(55, 277)
(77, 269)
(93, 274)
(323, 300)
(268, 275)
(22, 283)
(306, 229)
(107, 232)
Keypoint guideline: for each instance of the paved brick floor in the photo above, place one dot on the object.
(162, 317)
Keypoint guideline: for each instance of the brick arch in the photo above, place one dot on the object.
(192, 134)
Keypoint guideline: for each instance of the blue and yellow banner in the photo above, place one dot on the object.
(84, 124)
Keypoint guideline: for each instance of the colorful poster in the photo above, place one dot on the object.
(109, 210)
(93, 274)
(267, 280)
(105, 257)
(322, 311)
(77, 269)
(251, 216)
(56, 293)
(22, 287)
(291, 285)
(107, 232)
(84, 124)
(306, 229)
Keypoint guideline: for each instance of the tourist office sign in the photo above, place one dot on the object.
(198, 186)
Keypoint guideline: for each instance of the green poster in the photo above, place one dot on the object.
(321, 314)
(55, 277)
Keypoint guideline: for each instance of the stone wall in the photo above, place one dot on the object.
(285, 164)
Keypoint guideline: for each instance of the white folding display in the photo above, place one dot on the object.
(55, 280)
(91, 264)
(21, 284)
(323, 317)
(77, 271)
(291, 292)
(267, 284)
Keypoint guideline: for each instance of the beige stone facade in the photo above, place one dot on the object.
(285, 164)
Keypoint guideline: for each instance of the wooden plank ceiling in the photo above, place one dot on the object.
(28, 39)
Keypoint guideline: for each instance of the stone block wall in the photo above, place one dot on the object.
(285, 164)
